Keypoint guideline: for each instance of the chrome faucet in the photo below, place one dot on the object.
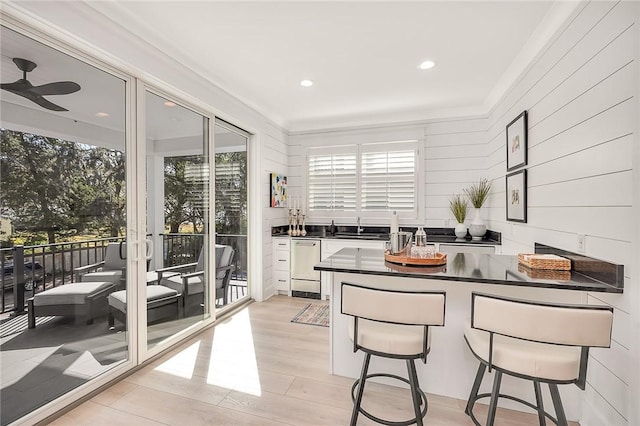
(359, 230)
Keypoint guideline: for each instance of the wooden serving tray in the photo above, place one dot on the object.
(544, 261)
(438, 259)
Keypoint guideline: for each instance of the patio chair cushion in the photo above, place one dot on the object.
(196, 284)
(118, 299)
(111, 276)
(70, 294)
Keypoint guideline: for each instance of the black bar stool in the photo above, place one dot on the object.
(542, 342)
(391, 324)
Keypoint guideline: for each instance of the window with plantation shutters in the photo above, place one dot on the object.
(332, 180)
(388, 177)
(367, 179)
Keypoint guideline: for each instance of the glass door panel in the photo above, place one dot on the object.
(63, 216)
(231, 214)
(178, 178)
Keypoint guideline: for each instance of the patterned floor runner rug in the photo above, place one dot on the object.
(314, 314)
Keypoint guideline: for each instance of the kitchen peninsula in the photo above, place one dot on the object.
(450, 366)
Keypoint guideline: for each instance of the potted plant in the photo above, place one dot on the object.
(478, 193)
(458, 206)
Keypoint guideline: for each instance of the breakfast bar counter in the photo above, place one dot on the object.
(450, 368)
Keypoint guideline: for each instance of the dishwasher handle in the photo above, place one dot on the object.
(305, 243)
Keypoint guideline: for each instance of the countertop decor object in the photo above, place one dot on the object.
(544, 261)
(478, 193)
(517, 142)
(459, 207)
(437, 259)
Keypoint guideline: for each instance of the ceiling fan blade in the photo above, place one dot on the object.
(58, 88)
(41, 101)
(17, 86)
(48, 105)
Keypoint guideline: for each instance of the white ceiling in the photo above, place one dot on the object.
(362, 56)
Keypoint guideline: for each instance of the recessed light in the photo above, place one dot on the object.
(426, 65)
(306, 83)
(102, 114)
(170, 104)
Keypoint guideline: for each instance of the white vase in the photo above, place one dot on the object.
(461, 230)
(477, 228)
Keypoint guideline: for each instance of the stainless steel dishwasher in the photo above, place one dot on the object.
(305, 282)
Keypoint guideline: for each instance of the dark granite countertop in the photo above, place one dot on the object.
(464, 267)
(380, 233)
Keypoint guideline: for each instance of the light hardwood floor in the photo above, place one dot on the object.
(256, 368)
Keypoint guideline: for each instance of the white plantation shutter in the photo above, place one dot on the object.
(365, 179)
(332, 180)
(388, 177)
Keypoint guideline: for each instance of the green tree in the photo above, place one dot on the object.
(231, 193)
(60, 187)
(184, 187)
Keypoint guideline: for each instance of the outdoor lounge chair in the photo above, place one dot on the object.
(111, 269)
(191, 284)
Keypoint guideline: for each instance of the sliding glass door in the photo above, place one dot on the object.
(63, 211)
(178, 206)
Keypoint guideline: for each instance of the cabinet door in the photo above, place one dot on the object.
(282, 281)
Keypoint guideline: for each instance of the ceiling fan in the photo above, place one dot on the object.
(35, 94)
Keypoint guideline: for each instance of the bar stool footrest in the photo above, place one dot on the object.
(388, 422)
(502, 395)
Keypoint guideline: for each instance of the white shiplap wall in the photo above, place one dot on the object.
(581, 97)
(273, 160)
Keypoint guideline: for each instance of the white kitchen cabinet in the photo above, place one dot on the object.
(281, 262)
(331, 246)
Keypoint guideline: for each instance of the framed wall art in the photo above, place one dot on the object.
(517, 196)
(517, 142)
(278, 190)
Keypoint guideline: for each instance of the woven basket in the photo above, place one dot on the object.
(545, 274)
(544, 261)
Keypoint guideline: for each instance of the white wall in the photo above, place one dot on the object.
(451, 155)
(581, 94)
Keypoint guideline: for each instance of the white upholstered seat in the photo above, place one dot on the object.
(542, 342)
(390, 338)
(550, 362)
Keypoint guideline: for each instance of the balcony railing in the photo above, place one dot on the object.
(29, 269)
(179, 248)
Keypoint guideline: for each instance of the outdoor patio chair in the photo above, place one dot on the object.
(191, 284)
(111, 269)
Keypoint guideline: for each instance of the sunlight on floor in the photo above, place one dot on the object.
(183, 363)
(233, 362)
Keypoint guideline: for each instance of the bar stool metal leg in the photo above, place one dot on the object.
(557, 405)
(539, 403)
(493, 405)
(474, 390)
(363, 379)
(413, 378)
